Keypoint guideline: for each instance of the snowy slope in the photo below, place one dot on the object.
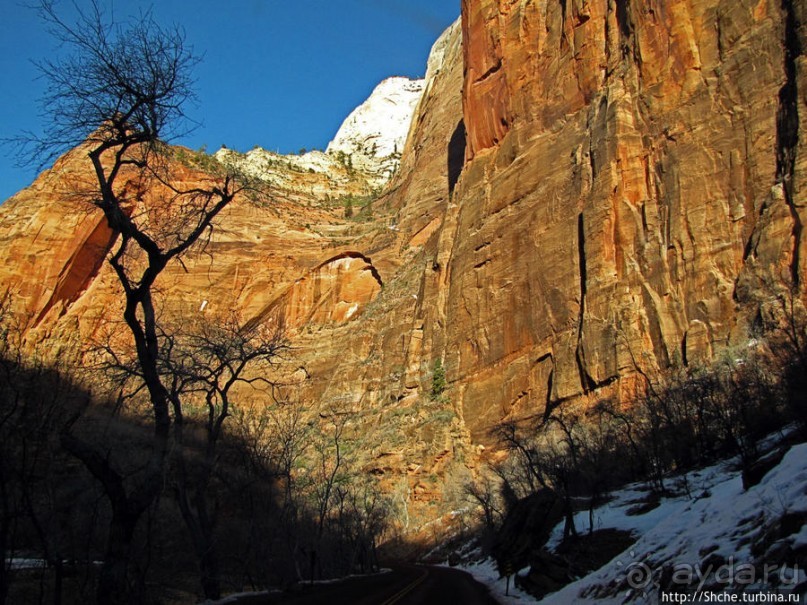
(719, 539)
(367, 146)
(706, 540)
(374, 134)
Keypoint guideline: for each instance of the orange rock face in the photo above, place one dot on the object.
(624, 194)
(332, 293)
(588, 188)
(486, 94)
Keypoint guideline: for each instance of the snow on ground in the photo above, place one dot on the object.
(704, 537)
(486, 573)
(24, 563)
(720, 522)
(235, 597)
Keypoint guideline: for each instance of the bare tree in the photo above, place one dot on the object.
(525, 475)
(275, 438)
(788, 330)
(329, 473)
(291, 437)
(44, 507)
(560, 458)
(364, 516)
(485, 493)
(207, 364)
(10, 402)
(119, 93)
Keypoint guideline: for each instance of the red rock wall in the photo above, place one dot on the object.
(625, 195)
(631, 180)
(486, 95)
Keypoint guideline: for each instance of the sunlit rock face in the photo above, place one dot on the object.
(622, 193)
(586, 189)
(332, 293)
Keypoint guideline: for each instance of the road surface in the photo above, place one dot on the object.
(404, 585)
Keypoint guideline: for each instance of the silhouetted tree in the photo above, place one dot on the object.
(207, 363)
(46, 509)
(119, 92)
(485, 493)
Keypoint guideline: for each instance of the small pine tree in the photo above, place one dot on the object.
(439, 383)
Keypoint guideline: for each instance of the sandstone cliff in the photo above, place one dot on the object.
(632, 168)
(588, 188)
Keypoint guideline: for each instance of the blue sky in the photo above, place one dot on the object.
(279, 74)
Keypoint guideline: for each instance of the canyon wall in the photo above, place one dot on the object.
(588, 189)
(633, 183)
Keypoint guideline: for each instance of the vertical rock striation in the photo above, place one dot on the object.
(634, 175)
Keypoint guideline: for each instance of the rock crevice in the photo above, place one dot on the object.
(787, 131)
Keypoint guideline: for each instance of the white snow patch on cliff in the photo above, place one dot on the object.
(279, 170)
(374, 134)
(368, 144)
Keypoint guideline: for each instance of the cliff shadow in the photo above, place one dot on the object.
(456, 155)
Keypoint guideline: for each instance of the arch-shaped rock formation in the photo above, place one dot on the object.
(333, 292)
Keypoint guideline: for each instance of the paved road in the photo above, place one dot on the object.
(404, 585)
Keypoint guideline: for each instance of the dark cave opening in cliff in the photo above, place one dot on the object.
(456, 155)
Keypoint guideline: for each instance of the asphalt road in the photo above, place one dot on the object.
(404, 585)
